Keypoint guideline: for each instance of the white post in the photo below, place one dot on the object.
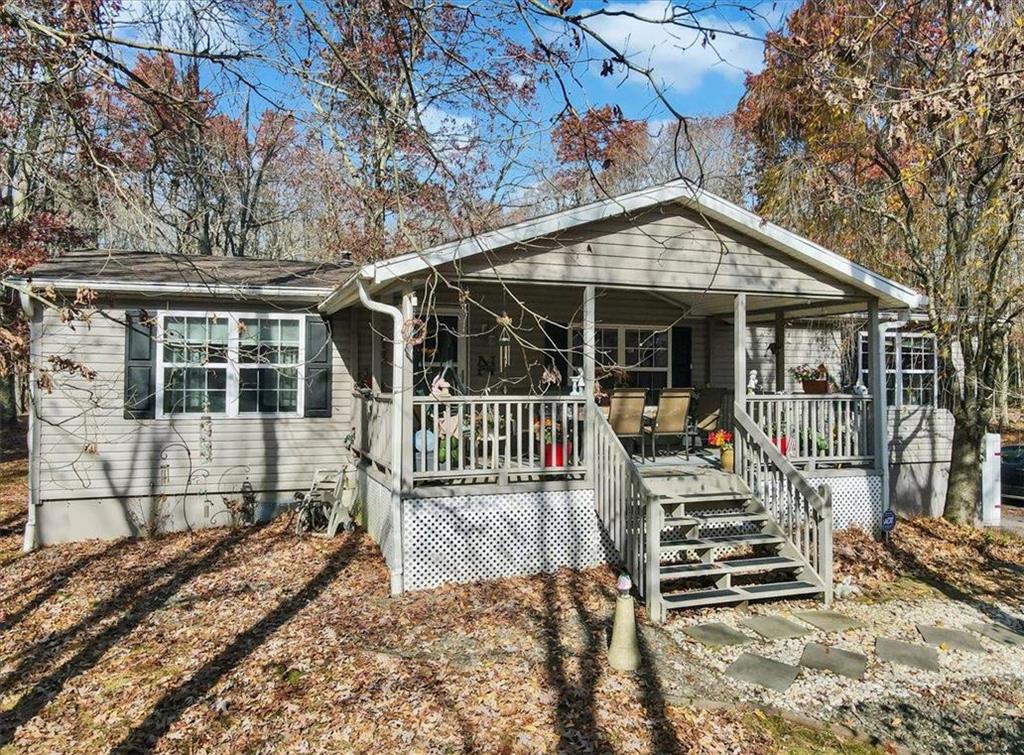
(780, 352)
(879, 407)
(739, 364)
(589, 373)
(408, 307)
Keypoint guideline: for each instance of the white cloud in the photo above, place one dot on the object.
(676, 55)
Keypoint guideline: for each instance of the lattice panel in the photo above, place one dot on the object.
(856, 500)
(469, 538)
(377, 499)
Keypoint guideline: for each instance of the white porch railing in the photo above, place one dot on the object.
(480, 437)
(624, 508)
(372, 426)
(802, 513)
(833, 428)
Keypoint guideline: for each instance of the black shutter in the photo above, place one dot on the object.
(682, 357)
(139, 366)
(319, 353)
(556, 349)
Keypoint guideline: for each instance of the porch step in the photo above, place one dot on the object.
(691, 520)
(670, 572)
(723, 498)
(715, 596)
(725, 541)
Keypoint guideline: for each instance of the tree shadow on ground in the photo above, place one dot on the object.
(576, 706)
(170, 707)
(137, 608)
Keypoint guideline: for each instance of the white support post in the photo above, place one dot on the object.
(780, 352)
(739, 364)
(408, 307)
(589, 372)
(879, 407)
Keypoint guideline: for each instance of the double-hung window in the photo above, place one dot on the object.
(911, 373)
(641, 352)
(230, 364)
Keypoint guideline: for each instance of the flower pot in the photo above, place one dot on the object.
(815, 387)
(782, 444)
(728, 459)
(556, 454)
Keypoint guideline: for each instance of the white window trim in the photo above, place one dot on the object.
(897, 370)
(620, 356)
(232, 381)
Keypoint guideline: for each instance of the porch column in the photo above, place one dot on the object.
(589, 372)
(739, 362)
(408, 307)
(879, 407)
(780, 352)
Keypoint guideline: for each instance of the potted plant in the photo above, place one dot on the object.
(722, 440)
(815, 380)
(553, 454)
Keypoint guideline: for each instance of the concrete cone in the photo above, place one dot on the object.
(624, 651)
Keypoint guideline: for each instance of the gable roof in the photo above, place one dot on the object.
(155, 273)
(682, 192)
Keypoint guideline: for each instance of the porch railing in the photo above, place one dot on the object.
(811, 429)
(372, 427)
(478, 438)
(624, 507)
(802, 512)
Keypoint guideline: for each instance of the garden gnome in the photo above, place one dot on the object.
(624, 653)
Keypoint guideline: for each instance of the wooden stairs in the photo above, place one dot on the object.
(717, 545)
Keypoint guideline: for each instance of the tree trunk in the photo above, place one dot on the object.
(964, 491)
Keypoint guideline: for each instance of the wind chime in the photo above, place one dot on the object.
(504, 342)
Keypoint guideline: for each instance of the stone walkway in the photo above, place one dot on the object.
(772, 674)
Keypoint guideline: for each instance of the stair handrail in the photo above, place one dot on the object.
(624, 505)
(819, 500)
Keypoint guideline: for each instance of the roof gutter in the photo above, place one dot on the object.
(399, 398)
(187, 289)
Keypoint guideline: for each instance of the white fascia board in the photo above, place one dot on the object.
(181, 289)
(713, 207)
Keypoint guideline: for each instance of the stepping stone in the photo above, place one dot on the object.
(774, 627)
(764, 672)
(951, 638)
(998, 633)
(828, 621)
(716, 635)
(843, 662)
(907, 654)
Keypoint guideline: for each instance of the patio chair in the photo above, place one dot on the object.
(626, 415)
(707, 414)
(672, 418)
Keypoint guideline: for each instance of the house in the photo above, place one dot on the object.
(456, 377)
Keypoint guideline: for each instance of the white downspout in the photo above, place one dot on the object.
(397, 441)
(31, 540)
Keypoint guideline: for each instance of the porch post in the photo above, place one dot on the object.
(589, 373)
(879, 408)
(739, 363)
(408, 312)
(780, 352)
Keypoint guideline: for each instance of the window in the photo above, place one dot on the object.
(642, 352)
(910, 368)
(230, 365)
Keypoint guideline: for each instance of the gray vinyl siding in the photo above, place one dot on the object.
(669, 247)
(88, 451)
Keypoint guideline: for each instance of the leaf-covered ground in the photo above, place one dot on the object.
(251, 640)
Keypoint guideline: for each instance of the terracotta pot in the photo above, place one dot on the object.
(815, 387)
(555, 455)
(728, 459)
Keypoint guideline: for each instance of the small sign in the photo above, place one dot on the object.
(888, 521)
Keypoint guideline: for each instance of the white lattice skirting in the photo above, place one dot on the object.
(856, 501)
(470, 538)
